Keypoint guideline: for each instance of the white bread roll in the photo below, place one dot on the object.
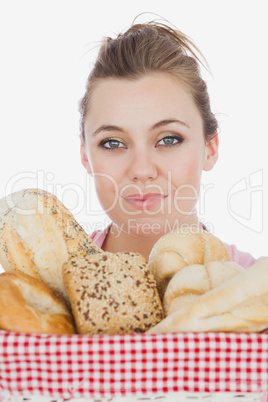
(112, 293)
(38, 234)
(28, 305)
(188, 284)
(181, 248)
(240, 304)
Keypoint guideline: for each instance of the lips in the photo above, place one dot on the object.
(144, 197)
(144, 201)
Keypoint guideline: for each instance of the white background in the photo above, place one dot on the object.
(47, 48)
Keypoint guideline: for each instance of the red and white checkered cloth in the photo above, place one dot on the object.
(123, 365)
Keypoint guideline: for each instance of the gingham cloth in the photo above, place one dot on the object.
(105, 366)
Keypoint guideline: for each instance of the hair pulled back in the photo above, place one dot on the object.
(152, 48)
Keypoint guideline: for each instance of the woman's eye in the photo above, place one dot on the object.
(111, 144)
(170, 140)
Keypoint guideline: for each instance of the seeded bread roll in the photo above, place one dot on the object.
(112, 293)
(28, 305)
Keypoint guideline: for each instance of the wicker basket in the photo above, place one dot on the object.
(170, 397)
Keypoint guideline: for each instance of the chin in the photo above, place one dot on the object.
(159, 228)
(145, 230)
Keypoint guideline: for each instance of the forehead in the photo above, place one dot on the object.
(154, 96)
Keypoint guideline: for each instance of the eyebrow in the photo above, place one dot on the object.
(109, 127)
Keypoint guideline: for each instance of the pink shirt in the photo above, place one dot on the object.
(240, 257)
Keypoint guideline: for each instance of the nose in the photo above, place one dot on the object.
(142, 167)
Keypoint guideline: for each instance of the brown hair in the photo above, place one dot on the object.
(149, 48)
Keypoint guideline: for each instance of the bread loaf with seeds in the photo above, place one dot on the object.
(38, 234)
(112, 293)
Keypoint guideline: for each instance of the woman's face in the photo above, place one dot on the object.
(145, 147)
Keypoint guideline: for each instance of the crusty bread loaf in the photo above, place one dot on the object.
(181, 248)
(112, 293)
(38, 234)
(189, 283)
(240, 304)
(28, 305)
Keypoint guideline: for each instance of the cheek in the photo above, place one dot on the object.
(186, 186)
(107, 174)
(105, 166)
(107, 190)
(194, 170)
(105, 183)
(185, 171)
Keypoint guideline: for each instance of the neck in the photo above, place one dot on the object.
(119, 241)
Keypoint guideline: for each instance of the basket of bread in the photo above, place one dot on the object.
(81, 324)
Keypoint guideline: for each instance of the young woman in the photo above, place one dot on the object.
(147, 133)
